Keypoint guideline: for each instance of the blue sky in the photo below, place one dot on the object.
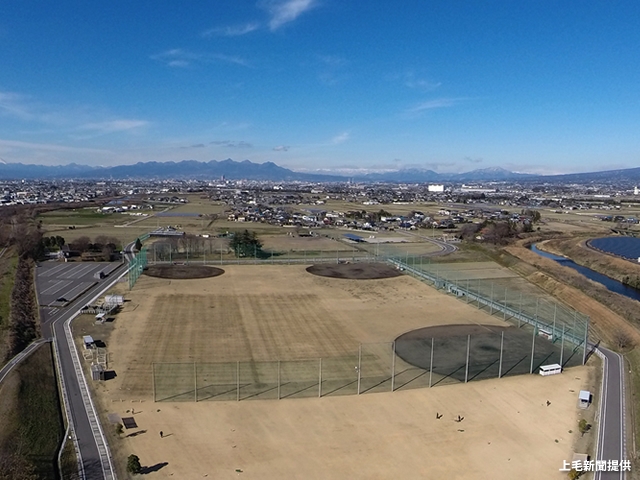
(532, 86)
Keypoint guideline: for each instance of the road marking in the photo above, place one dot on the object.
(53, 289)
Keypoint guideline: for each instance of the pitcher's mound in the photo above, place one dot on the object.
(355, 271)
(176, 272)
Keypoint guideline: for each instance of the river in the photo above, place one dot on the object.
(609, 283)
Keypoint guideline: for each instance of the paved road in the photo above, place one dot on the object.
(4, 371)
(445, 248)
(94, 457)
(611, 443)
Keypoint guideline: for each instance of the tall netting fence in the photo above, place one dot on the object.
(419, 359)
(538, 331)
(509, 297)
(137, 266)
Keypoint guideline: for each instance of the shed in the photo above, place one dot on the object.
(97, 372)
(88, 341)
(100, 317)
(584, 398)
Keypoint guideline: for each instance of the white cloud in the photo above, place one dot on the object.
(48, 147)
(180, 58)
(232, 143)
(436, 103)
(285, 11)
(409, 79)
(232, 30)
(112, 126)
(281, 148)
(338, 139)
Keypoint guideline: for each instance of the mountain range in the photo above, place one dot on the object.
(232, 170)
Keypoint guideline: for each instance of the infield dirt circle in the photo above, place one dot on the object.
(176, 272)
(355, 271)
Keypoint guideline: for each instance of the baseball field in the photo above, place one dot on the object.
(500, 428)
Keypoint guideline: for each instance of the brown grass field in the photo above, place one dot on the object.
(281, 312)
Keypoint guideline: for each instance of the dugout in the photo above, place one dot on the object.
(552, 369)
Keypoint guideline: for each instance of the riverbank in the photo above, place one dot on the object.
(609, 265)
(610, 327)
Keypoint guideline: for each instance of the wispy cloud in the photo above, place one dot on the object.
(24, 107)
(232, 30)
(412, 81)
(112, 126)
(436, 103)
(12, 104)
(180, 58)
(197, 145)
(48, 147)
(341, 138)
(62, 119)
(285, 11)
(281, 148)
(231, 144)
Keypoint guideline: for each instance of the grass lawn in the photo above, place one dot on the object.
(32, 422)
(7, 275)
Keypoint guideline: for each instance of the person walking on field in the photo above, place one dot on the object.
(161, 434)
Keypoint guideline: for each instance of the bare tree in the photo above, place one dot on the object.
(623, 339)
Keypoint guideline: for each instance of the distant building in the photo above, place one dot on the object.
(435, 188)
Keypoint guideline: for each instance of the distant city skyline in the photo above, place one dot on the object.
(535, 87)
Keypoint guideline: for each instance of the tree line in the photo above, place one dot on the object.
(23, 325)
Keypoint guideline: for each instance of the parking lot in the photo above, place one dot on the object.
(61, 283)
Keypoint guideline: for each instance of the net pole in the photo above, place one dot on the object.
(573, 330)
(491, 302)
(195, 382)
(555, 311)
(533, 348)
(393, 367)
(237, 381)
(278, 379)
(501, 348)
(431, 364)
(562, 347)
(504, 310)
(320, 379)
(153, 380)
(467, 290)
(466, 370)
(520, 311)
(359, 365)
(586, 339)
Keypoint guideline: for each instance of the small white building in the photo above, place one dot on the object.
(114, 300)
(552, 369)
(584, 398)
(88, 341)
